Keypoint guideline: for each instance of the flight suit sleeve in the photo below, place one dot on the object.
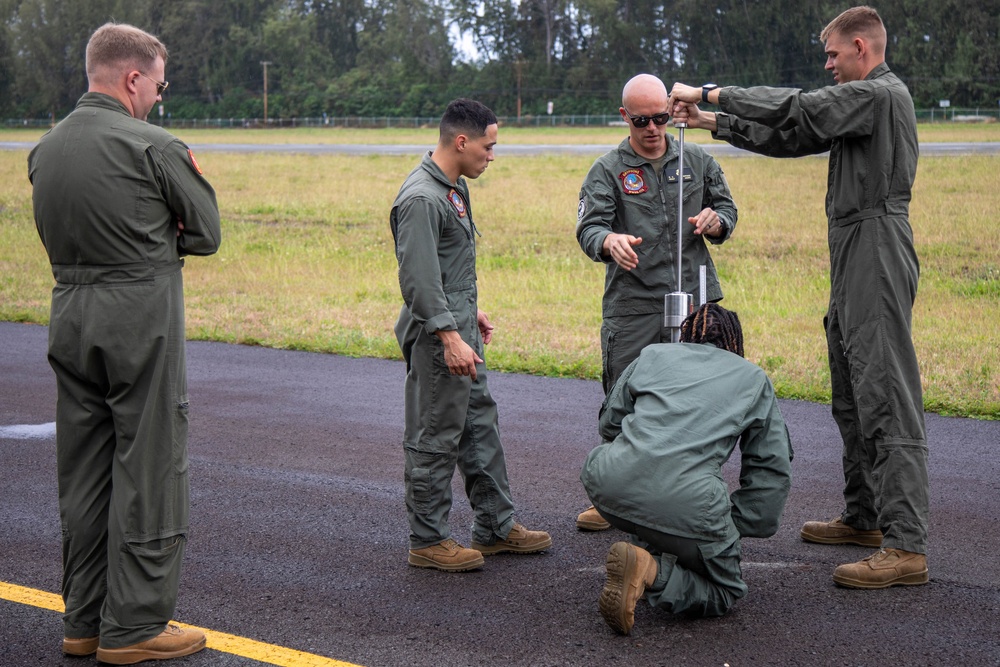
(787, 122)
(417, 234)
(595, 214)
(719, 198)
(619, 404)
(765, 472)
(191, 199)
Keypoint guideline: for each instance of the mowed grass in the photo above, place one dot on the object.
(427, 135)
(307, 263)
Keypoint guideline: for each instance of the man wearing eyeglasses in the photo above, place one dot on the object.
(117, 204)
(627, 219)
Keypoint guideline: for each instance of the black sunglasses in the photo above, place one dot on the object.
(643, 121)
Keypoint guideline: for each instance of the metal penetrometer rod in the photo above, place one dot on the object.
(677, 304)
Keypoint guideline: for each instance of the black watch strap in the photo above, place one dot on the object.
(705, 90)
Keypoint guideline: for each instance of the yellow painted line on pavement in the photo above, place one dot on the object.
(217, 641)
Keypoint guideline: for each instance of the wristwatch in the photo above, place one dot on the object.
(705, 90)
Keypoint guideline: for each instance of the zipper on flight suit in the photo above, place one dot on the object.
(666, 216)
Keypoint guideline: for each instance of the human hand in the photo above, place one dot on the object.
(683, 93)
(485, 328)
(619, 248)
(708, 223)
(458, 355)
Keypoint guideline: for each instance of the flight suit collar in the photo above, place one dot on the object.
(878, 71)
(632, 159)
(103, 101)
(431, 167)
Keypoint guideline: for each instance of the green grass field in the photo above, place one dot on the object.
(307, 259)
(938, 132)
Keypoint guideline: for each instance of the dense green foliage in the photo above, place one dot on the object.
(402, 57)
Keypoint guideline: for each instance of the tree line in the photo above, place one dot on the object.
(410, 57)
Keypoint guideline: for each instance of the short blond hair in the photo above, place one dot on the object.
(861, 22)
(121, 45)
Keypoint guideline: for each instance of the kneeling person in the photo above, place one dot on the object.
(669, 424)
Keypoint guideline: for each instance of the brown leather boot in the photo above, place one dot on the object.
(590, 519)
(173, 642)
(519, 540)
(884, 568)
(447, 556)
(630, 571)
(85, 646)
(838, 532)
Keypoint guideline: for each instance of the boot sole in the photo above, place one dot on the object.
(621, 561)
(592, 526)
(420, 561)
(912, 579)
(494, 549)
(81, 647)
(873, 541)
(126, 656)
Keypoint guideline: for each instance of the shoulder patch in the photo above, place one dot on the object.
(194, 163)
(632, 182)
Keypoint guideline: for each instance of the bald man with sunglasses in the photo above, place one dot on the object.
(627, 219)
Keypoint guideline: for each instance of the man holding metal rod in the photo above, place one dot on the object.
(868, 125)
(628, 219)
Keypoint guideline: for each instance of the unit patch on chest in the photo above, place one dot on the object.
(457, 201)
(632, 182)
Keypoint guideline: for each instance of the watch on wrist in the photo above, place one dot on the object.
(708, 87)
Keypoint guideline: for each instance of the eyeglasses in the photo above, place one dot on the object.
(162, 85)
(643, 121)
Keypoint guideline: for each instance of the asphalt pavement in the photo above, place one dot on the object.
(298, 539)
(717, 149)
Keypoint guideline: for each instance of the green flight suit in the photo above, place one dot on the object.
(669, 424)
(449, 419)
(108, 192)
(869, 127)
(623, 194)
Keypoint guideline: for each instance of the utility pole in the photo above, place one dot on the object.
(265, 63)
(517, 66)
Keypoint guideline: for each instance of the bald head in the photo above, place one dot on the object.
(644, 89)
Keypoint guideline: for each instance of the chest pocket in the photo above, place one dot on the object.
(638, 202)
(694, 187)
(457, 251)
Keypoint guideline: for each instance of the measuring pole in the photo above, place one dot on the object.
(678, 304)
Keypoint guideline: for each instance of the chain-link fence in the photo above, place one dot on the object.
(949, 115)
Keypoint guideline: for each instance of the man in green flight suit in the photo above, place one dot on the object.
(669, 424)
(627, 219)
(117, 203)
(450, 416)
(868, 125)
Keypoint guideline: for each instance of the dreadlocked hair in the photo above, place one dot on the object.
(714, 324)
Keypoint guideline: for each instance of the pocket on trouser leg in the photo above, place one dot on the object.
(608, 350)
(150, 576)
(419, 489)
(179, 422)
